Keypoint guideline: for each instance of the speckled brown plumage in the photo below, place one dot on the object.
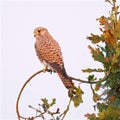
(49, 53)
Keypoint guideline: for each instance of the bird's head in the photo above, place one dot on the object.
(39, 31)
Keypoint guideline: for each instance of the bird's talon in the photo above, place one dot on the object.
(49, 70)
(54, 71)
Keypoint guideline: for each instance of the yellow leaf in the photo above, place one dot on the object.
(77, 97)
(117, 30)
(112, 17)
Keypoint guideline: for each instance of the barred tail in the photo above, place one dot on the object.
(67, 81)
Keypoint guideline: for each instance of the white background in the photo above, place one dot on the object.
(69, 22)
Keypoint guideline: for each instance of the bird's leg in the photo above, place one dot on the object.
(45, 69)
(50, 70)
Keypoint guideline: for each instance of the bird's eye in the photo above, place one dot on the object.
(39, 31)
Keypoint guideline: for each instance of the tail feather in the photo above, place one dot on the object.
(67, 81)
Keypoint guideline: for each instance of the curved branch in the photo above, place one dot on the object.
(20, 93)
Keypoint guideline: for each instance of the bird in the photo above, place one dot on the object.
(50, 55)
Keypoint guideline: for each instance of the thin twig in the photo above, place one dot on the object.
(66, 111)
(89, 82)
(20, 93)
(83, 81)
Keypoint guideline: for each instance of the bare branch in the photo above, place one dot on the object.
(20, 93)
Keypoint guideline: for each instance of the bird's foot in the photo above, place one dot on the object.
(46, 69)
(50, 70)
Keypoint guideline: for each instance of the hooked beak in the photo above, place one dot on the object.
(36, 34)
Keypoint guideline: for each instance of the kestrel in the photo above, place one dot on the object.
(49, 53)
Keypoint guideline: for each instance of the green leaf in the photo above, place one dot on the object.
(98, 56)
(53, 102)
(101, 106)
(95, 38)
(91, 78)
(77, 98)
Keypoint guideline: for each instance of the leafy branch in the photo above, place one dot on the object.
(108, 102)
